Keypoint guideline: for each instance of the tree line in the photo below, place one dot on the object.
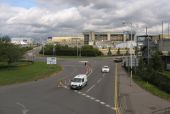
(153, 72)
(10, 53)
(65, 50)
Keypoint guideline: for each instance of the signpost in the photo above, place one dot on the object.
(51, 60)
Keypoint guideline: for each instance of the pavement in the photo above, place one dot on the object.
(135, 100)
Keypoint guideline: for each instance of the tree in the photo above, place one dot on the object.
(9, 52)
(118, 51)
(109, 52)
(156, 62)
(5, 38)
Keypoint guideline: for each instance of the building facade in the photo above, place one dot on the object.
(22, 41)
(90, 38)
(70, 41)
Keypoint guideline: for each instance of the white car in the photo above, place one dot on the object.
(105, 69)
(78, 81)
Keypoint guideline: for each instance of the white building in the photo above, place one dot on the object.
(128, 44)
(22, 41)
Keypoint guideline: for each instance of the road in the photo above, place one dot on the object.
(44, 97)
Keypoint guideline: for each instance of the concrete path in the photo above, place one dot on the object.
(135, 100)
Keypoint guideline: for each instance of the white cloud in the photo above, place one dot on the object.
(61, 16)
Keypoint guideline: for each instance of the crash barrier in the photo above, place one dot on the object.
(162, 111)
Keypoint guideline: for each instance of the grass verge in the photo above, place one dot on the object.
(152, 89)
(24, 72)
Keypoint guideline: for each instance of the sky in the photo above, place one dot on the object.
(44, 18)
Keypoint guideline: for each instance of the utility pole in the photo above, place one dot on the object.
(162, 36)
(147, 44)
(131, 77)
(168, 30)
(77, 46)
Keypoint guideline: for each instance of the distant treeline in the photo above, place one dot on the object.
(70, 51)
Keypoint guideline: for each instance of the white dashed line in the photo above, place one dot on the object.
(90, 88)
(98, 81)
(113, 108)
(87, 96)
(102, 103)
(79, 92)
(84, 94)
(92, 98)
(103, 75)
(76, 91)
(108, 106)
(97, 100)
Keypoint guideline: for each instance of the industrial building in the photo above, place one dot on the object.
(67, 40)
(92, 38)
(23, 41)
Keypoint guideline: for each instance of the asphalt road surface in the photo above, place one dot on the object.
(45, 97)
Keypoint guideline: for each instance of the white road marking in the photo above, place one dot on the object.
(92, 98)
(108, 106)
(103, 75)
(87, 96)
(24, 110)
(75, 91)
(90, 88)
(102, 103)
(113, 108)
(99, 80)
(84, 94)
(97, 100)
(79, 92)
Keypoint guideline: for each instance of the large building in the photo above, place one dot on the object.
(22, 41)
(69, 40)
(91, 37)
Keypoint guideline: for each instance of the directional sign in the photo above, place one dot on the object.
(51, 60)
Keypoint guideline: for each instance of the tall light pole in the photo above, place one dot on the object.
(168, 30)
(147, 44)
(131, 76)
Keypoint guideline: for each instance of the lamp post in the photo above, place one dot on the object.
(131, 76)
(54, 51)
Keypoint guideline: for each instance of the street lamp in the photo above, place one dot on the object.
(54, 51)
(131, 76)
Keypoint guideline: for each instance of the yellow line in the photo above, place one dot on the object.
(116, 90)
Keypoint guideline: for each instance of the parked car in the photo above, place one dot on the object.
(117, 60)
(79, 81)
(105, 69)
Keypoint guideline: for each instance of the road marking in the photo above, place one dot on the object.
(79, 92)
(87, 96)
(97, 100)
(84, 94)
(108, 106)
(92, 98)
(90, 88)
(99, 80)
(102, 103)
(24, 110)
(103, 75)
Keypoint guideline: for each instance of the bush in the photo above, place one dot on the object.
(71, 51)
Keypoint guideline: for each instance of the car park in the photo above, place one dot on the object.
(105, 69)
(79, 81)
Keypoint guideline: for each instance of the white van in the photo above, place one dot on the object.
(78, 81)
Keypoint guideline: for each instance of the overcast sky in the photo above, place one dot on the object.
(43, 18)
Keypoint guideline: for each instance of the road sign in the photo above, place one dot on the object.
(51, 60)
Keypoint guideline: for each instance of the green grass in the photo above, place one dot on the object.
(152, 89)
(25, 71)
